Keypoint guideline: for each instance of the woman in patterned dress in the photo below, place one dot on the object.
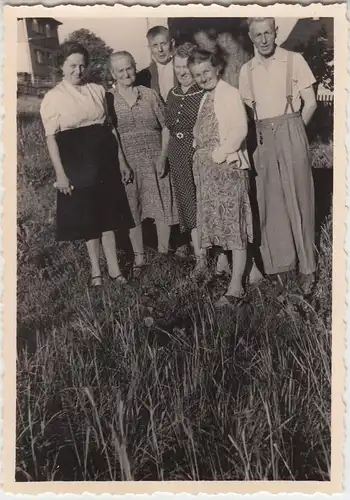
(91, 199)
(220, 167)
(138, 114)
(181, 113)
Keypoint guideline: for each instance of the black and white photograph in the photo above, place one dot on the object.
(174, 210)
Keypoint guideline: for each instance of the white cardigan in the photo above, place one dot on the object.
(233, 127)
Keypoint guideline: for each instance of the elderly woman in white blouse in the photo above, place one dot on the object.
(224, 217)
(90, 168)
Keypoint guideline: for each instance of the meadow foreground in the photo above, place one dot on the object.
(147, 381)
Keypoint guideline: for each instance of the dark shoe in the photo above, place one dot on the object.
(182, 252)
(200, 269)
(306, 283)
(229, 301)
(137, 270)
(277, 282)
(120, 280)
(96, 281)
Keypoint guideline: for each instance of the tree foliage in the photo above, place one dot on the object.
(99, 53)
(319, 55)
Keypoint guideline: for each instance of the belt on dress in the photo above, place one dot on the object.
(181, 135)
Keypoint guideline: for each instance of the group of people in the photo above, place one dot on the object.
(169, 143)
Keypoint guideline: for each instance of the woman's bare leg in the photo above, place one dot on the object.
(199, 253)
(136, 239)
(93, 248)
(110, 251)
(222, 265)
(255, 275)
(163, 233)
(239, 260)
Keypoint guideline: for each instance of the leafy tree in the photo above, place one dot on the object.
(99, 53)
(319, 55)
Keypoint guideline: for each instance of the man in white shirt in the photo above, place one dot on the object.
(275, 84)
(160, 73)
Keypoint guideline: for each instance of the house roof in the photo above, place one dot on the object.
(47, 19)
(306, 28)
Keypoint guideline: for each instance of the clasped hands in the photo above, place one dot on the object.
(63, 184)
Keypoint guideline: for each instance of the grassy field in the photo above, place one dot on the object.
(148, 381)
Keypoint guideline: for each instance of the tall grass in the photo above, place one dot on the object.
(148, 381)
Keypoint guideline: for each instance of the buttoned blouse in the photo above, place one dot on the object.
(64, 107)
(232, 122)
(269, 82)
(182, 108)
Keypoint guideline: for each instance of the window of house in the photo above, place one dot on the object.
(39, 56)
(35, 25)
(49, 58)
(47, 30)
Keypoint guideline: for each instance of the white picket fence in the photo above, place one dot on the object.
(324, 95)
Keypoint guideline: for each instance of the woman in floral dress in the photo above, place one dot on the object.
(221, 166)
(181, 114)
(138, 115)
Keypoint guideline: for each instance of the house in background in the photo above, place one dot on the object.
(37, 46)
(308, 27)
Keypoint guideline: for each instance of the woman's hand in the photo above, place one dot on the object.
(161, 167)
(127, 174)
(63, 185)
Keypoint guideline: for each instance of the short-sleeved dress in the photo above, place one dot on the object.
(181, 114)
(139, 127)
(89, 155)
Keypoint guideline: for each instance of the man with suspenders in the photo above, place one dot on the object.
(275, 84)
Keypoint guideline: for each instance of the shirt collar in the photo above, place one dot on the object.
(163, 66)
(194, 89)
(68, 84)
(279, 55)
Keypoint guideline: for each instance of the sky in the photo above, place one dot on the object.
(118, 33)
(131, 35)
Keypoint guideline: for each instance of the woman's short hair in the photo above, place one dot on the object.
(68, 48)
(185, 50)
(200, 55)
(122, 53)
(210, 32)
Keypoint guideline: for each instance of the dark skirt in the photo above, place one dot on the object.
(98, 202)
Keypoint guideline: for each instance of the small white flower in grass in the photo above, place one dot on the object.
(149, 321)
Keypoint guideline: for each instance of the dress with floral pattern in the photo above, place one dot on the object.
(224, 216)
(140, 130)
